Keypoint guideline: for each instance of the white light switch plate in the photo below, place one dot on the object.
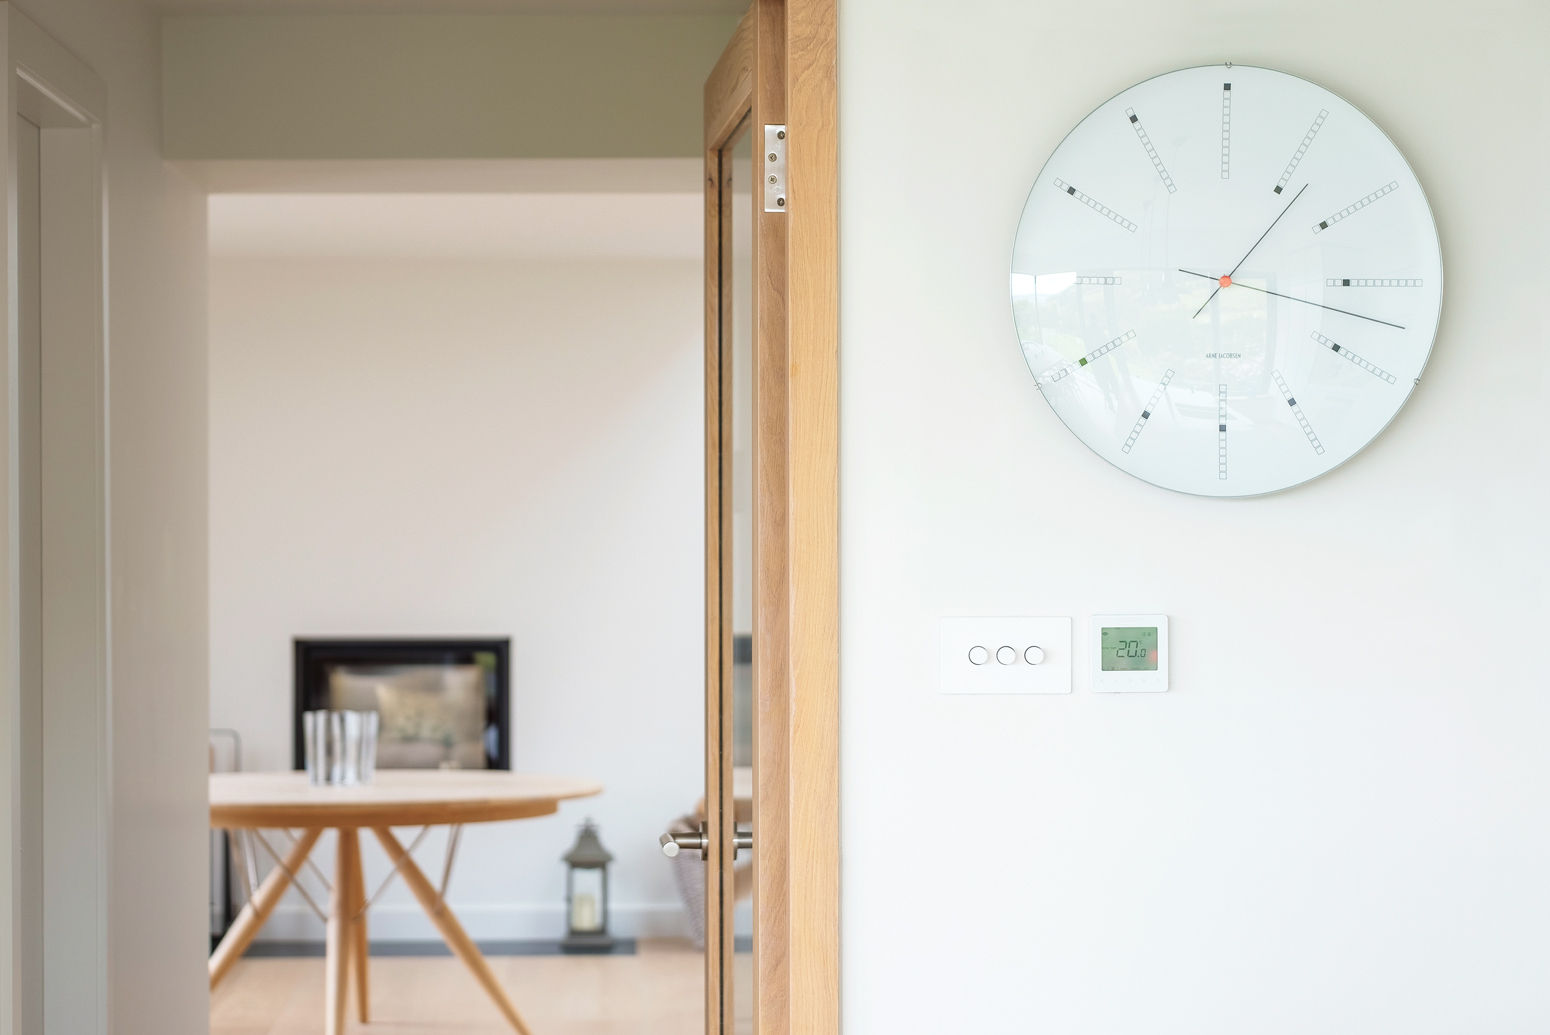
(960, 675)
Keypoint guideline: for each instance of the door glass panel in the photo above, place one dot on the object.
(738, 588)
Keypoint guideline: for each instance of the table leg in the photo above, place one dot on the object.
(360, 952)
(452, 932)
(337, 965)
(257, 909)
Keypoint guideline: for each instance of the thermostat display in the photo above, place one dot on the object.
(1131, 652)
(1129, 648)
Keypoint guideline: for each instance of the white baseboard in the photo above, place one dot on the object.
(404, 922)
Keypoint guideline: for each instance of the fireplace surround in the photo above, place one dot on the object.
(443, 703)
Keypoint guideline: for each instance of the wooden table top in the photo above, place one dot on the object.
(395, 797)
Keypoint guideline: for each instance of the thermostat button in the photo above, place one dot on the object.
(1034, 655)
(978, 655)
(1006, 655)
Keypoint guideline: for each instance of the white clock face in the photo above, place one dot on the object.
(1226, 280)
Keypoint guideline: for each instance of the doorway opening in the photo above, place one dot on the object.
(468, 414)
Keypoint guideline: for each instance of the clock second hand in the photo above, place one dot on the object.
(1290, 298)
(1246, 254)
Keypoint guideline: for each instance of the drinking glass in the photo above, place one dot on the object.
(370, 722)
(314, 743)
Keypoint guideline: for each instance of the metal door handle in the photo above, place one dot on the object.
(694, 841)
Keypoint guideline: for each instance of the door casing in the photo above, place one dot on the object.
(55, 805)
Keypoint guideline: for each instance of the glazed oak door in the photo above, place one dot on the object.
(744, 387)
(769, 835)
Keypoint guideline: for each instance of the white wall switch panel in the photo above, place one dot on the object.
(1006, 655)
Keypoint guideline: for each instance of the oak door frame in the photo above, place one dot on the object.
(779, 69)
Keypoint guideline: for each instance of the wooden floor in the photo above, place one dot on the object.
(658, 991)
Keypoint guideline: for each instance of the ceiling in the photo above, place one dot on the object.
(453, 6)
(545, 226)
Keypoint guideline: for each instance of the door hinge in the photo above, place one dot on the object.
(774, 168)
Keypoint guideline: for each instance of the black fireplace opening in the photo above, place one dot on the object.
(441, 703)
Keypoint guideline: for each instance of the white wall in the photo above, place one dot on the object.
(452, 447)
(1336, 821)
(156, 277)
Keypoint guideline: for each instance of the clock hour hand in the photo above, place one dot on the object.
(1227, 281)
(1246, 254)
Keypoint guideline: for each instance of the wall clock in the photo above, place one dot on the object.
(1226, 280)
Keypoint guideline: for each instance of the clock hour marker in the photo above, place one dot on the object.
(1054, 283)
(1302, 149)
(1146, 414)
(1226, 126)
(1333, 346)
(1378, 282)
(1102, 350)
(1302, 422)
(1102, 210)
(1221, 432)
(1151, 152)
(1356, 206)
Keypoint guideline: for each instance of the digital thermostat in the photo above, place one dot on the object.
(1130, 654)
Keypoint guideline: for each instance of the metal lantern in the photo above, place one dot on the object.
(586, 894)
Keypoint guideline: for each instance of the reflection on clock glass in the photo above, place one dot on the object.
(1226, 280)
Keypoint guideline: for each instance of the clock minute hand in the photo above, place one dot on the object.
(1246, 254)
(1293, 298)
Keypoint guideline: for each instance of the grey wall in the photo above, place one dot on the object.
(310, 86)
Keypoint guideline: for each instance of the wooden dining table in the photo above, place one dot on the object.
(260, 807)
